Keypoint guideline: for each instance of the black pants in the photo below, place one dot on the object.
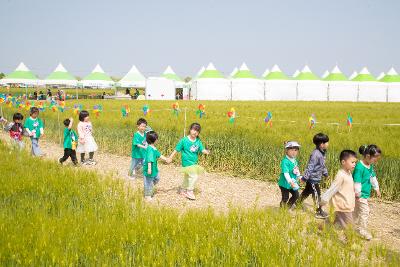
(285, 196)
(68, 152)
(315, 191)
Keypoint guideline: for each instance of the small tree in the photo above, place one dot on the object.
(2, 75)
(187, 79)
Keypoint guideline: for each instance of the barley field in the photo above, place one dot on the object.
(248, 147)
(62, 216)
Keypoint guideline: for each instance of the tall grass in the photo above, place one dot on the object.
(54, 215)
(248, 147)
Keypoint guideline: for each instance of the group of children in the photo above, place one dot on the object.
(145, 155)
(348, 193)
(33, 127)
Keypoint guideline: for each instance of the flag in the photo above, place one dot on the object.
(146, 110)
(175, 108)
(97, 109)
(312, 121)
(201, 111)
(268, 119)
(232, 115)
(125, 110)
(349, 121)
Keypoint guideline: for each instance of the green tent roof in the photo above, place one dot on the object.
(60, 73)
(171, 75)
(364, 76)
(276, 74)
(98, 75)
(21, 72)
(306, 74)
(336, 75)
(133, 75)
(244, 73)
(391, 77)
(210, 72)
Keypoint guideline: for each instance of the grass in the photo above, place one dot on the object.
(54, 215)
(248, 148)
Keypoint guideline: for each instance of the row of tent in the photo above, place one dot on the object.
(241, 84)
(96, 79)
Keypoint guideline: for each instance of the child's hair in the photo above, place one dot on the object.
(140, 121)
(195, 126)
(34, 110)
(18, 116)
(83, 114)
(345, 154)
(320, 138)
(151, 137)
(372, 150)
(66, 122)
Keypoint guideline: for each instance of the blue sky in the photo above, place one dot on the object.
(189, 34)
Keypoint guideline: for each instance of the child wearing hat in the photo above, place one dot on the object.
(290, 174)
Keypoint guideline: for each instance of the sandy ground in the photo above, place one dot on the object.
(221, 191)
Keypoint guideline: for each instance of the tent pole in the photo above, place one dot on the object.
(297, 91)
(387, 93)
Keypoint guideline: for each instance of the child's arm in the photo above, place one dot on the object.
(310, 167)
(205, 151)
(167, 160)
(332, 190)
(149, 168)
(141, 146)
(289, 179)
(71, 121)
(375, 185)
(171, 157)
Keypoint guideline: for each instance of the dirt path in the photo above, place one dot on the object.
(221, 191)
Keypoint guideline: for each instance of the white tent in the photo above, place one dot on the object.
(339, 87)
(61, 77)
(265, 73)
(278, 86)
(211, 85)
(246, 86)
(392, 80)
(22, 75)
(310, 87)
(369, 89)
(97, 79)
(380, 76)
(160, 88)
(134, 78)
(169, 73)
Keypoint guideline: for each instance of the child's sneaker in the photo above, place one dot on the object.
(190, 195)
(365, 234)
(60, 161)
(321, 214)
(91, 162)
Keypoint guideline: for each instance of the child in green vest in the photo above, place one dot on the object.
(70, 142)
(364, 180)
(290, 174)
(139, 147)
(35, 129)
(190, 146)
(150, 166)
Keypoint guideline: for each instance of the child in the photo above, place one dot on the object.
(15, 129)
(34, 127)
(70, 141)
(364, 178)
(190, 146)
(139, 146)
(86, 141)
(315, 170)
(289, 175)
(341, 190)
(150, 168)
